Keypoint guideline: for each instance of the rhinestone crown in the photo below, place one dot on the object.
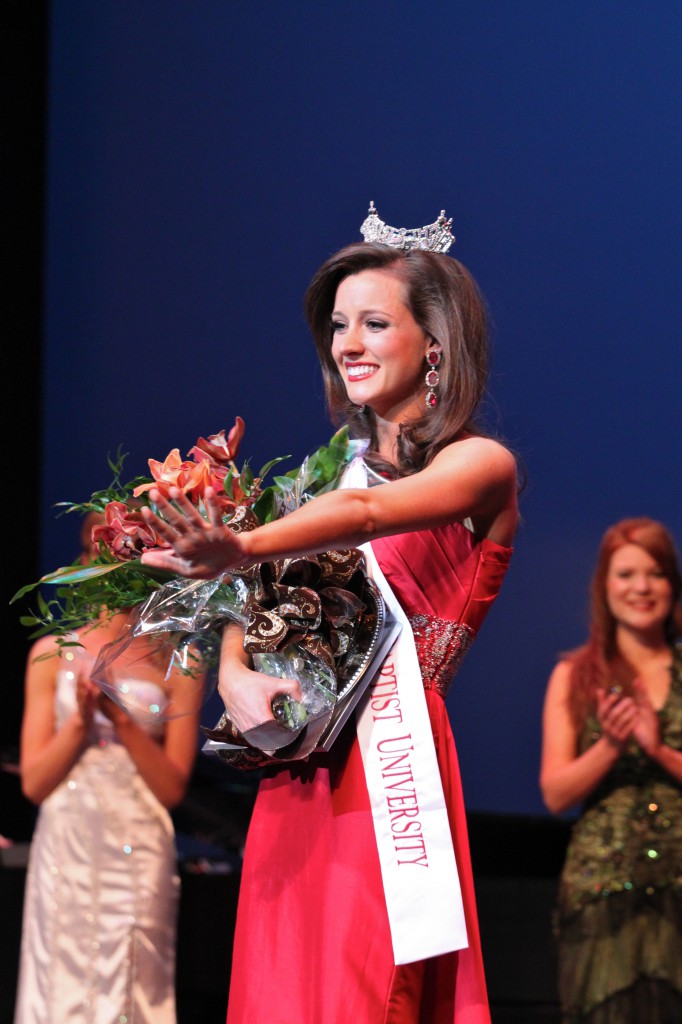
(436, 237)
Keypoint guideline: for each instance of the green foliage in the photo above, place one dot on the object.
(116, 491)
(82, 595)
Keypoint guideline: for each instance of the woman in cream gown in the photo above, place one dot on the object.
(98, 941)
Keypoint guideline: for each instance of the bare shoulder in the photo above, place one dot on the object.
(42, 664)
(485, 453)
(44, 648)
(559, 684)
(486, 471)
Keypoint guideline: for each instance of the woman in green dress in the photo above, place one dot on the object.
(612, 742)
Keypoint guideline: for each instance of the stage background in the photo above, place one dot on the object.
(203, 159)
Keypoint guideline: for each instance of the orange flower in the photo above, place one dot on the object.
(165, 474)
(195, 477)
(213, 458)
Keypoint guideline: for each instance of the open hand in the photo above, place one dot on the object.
(199, 548)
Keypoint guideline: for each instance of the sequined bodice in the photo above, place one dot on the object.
(446, 580)
(629, 836)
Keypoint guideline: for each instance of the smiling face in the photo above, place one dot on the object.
(638, 594)
(378, 346)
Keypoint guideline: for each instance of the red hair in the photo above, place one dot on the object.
(599, 663)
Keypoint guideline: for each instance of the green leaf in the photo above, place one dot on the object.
(76, 574)
(339, 444)
(273, 462)
(266, 506)
(285, 483)
(246, 479)
(117, 466)
(24, 590)
(228, 485)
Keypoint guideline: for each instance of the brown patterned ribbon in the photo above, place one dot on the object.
(314, 601)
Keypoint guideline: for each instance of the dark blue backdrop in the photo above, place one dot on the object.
(204, 158)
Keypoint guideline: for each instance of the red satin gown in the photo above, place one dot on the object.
(312, 942)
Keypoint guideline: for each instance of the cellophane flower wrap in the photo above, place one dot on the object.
(314, 618)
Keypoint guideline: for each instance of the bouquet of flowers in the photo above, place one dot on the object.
(318, 619)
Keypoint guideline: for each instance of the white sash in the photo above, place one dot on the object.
(418, 868)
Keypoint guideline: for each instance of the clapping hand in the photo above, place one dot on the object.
(617, 715)
(647, 730)
(86, 699)
(199, 548)
(91, 698)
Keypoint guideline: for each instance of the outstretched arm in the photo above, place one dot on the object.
(473, 478)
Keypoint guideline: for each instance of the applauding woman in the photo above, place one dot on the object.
(98, 941)
(612, 742)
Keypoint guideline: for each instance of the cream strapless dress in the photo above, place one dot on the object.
(100, 910)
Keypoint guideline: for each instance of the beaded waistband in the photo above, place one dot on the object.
(441, 645)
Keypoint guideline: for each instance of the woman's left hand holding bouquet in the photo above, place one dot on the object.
(199, 548)
(246, 694)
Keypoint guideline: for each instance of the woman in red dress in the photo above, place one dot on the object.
(401, 335)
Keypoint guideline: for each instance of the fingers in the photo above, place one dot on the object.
(163, 558)
(641, 694)
(215, 513)
(289, 688)
(625, 718)
(608, 700)
(85, 687)
(201, 547)
(113, 711)
(85, 698)
(248, 697)
(178, 515)
(618, 716)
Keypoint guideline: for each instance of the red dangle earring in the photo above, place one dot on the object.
(433, 357)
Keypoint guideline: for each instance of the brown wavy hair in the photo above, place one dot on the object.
(599, 663)
(446, 302)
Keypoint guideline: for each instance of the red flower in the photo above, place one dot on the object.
(218, 448)
(125, 532)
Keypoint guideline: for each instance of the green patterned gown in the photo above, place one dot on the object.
(619, 917)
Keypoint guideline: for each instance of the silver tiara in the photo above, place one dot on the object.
(436, 237)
